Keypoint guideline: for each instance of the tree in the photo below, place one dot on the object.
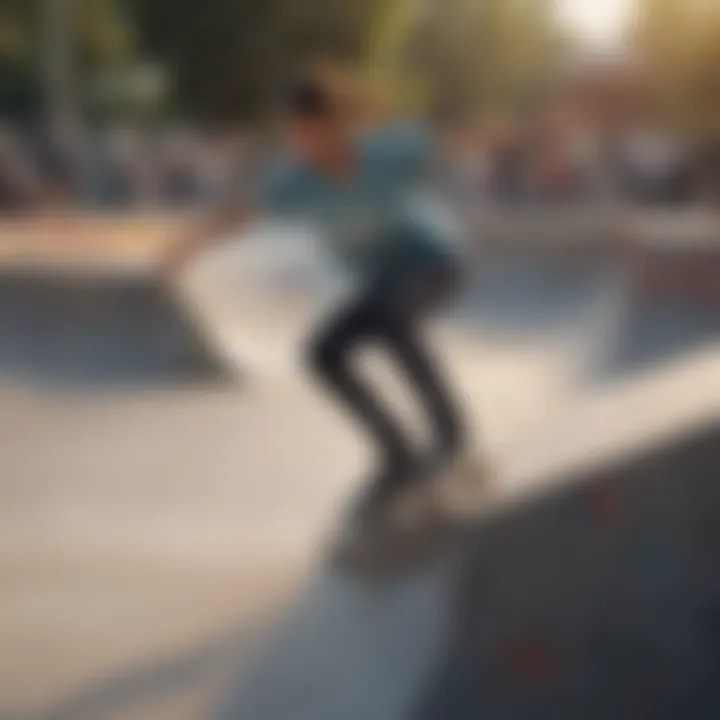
(99, 36)
(229, 56)
(19, 61)
(680, 41)
(485, 55)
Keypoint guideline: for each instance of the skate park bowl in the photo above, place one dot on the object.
(82, 313)
(619, 293)
(69, 328)
(163, 544)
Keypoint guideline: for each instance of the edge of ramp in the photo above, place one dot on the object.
(74, 325)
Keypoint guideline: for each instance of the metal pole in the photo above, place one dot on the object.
(59, 90)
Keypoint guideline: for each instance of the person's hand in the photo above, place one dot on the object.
(208, 231)
(176, 258)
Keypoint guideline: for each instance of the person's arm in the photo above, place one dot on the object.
(214, 228)
(273, 194)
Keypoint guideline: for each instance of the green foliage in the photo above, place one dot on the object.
(228, 56)
(485, 55)
(103, 35)
(100, 37)
(680, 40)
(17, 20)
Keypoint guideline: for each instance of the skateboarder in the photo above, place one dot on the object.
(366, 190)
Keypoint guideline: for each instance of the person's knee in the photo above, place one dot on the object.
(451, 431)
(325, 356)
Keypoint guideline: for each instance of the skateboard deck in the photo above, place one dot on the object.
(420, 524)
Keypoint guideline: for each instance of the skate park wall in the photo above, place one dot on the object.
(71, 319)
(81, 304)
(73, 329)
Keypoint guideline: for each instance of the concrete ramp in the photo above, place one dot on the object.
(78, 326)
(596, 599)
(600, 601)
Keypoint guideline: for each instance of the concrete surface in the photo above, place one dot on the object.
(159, 547)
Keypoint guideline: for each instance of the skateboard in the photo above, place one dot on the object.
(419, 524)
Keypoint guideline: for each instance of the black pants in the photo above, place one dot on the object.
(390, 313)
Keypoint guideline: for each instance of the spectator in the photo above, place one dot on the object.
(19, 179)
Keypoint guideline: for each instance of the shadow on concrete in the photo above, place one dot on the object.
(601, 600)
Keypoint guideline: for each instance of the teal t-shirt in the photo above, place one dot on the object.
(383, 213)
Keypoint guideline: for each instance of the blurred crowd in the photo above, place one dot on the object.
(506, 162)
(117, 168)
(554, 163)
